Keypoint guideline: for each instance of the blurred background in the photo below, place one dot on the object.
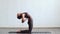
(45, 13)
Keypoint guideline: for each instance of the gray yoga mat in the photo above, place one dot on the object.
(30, 33)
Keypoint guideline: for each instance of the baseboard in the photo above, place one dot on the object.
(33, 27)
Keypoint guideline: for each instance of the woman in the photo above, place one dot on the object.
(30, 22)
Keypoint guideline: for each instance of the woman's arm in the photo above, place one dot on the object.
(23, 18)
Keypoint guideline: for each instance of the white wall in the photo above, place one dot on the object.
(45, 13)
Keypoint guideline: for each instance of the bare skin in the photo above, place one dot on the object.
(25, 16)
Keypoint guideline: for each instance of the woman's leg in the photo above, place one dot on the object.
(30, 24)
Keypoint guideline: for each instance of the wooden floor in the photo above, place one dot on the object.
(34, 31)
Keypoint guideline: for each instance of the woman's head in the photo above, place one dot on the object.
(19, 15)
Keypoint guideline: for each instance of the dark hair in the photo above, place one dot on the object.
(20, 16)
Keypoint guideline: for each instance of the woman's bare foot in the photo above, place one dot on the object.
(18, 30)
